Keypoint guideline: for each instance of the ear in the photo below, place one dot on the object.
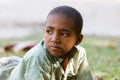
(79, 39)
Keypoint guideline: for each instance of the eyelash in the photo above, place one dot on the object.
(62, 34)
(49, 31)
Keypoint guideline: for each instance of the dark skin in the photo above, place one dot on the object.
(60, 36)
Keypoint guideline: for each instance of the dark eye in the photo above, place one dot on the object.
(65, 34)
(49, 31)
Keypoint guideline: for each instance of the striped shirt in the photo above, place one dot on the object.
(38, 64)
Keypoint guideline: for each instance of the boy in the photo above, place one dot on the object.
(57, 57)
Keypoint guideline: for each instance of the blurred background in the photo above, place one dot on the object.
(101, 17)
(22, 22)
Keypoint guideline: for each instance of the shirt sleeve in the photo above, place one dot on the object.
(84, 71)
(24, 71)
(5, 71)
(18, 72)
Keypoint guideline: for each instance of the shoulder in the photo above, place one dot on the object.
(80, 48)
(37, 55)
(36, 52)
(81, 51)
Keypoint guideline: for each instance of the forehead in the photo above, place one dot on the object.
(59, 21)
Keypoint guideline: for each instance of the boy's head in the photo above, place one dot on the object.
(62, 30)
(71, 14)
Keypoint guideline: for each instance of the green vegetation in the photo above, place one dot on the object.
(103, 55)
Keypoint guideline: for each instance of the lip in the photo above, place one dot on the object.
(54, 48)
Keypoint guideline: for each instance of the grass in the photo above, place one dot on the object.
(103, 55)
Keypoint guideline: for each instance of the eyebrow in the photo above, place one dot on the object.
(50, 27)
(65, 30)
(61, 29)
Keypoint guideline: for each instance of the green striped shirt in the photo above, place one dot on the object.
(38, 64)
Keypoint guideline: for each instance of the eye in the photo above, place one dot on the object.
(49, 31)
(65, 34)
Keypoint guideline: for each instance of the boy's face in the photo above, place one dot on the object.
(59, 36)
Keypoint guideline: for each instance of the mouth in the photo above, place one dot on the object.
(54, 48)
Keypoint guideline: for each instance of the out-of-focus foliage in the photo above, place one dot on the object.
(103, 55)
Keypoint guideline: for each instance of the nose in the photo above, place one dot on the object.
(55, 38)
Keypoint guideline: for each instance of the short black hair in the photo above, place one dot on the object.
(71, 13)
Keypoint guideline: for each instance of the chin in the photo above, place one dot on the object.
(56, 55)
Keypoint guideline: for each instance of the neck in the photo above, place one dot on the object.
(64, 63)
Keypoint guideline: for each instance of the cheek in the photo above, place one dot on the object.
(46, 38)
(69, 43)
